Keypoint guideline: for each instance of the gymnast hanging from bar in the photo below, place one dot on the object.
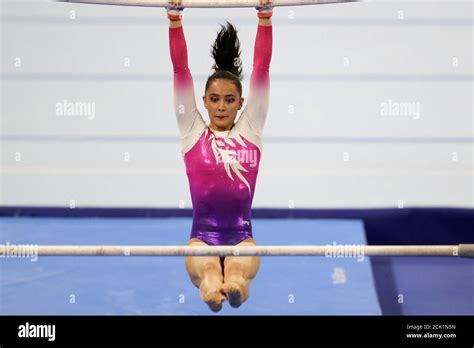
(222, 158)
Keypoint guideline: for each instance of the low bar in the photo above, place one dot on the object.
(461, 250)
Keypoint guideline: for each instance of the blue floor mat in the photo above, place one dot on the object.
(160, 285)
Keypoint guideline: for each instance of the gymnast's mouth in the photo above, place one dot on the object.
(220, 117)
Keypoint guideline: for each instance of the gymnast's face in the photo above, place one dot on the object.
(222, 101)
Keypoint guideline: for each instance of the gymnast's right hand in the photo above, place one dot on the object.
(265, 8)
(174, 10)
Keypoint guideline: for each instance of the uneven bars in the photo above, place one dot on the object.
(461, 250)
(207, 3)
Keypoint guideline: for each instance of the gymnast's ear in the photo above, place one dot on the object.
(241, 102)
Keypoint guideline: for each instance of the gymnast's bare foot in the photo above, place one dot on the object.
(235, 287)
(210, 289)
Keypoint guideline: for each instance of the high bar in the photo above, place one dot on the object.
(461, 250)
(207, 3)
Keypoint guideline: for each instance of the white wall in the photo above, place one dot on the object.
(328, 141)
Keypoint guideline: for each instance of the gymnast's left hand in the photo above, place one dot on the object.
(265, 5)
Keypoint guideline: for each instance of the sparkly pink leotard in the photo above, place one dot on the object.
(222, 167)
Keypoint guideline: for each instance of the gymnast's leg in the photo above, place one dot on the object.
(238, 274)
(206, 274)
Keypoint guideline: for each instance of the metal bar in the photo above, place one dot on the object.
(463, 250)
(207, 3)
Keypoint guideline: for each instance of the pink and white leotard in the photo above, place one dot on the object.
(222, 167)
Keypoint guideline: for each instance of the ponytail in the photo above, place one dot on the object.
(226, 53)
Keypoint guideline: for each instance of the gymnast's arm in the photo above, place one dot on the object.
(265, 22)
(183, 87)
(255, 112)
(175, 24)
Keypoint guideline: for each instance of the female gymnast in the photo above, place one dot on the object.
(222, 158)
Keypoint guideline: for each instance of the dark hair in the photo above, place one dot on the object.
(226, 54)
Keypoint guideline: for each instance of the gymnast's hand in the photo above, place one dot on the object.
(174, 10)
(265, 8)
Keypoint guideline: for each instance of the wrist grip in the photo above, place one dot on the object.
(174, 13)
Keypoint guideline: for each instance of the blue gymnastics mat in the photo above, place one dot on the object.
(160, 285)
